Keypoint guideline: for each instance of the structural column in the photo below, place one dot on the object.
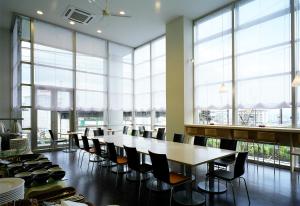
(179, 75)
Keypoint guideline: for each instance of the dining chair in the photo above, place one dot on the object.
(86, 132)
(238, 171)
(96, 132)
(160, 135)
(161, 172)
(55, 141)
(228, 144)
(200, 140)
(77, 144)
(113, 157)
(99, 152)
(178, 138)
(87, 149)
(125, 129)
(147, 134)
(101, 131)
(134, 132)
(133, 159)
(141, 129)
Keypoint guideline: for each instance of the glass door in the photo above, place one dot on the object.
(53, 112)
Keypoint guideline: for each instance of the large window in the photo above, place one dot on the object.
(150, 84)
(245, 77)
(91, 81)
(120, 85)
(262, 65)
(213, 73)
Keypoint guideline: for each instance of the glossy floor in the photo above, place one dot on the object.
(99, 186)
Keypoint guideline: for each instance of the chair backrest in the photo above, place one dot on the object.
(111, 151)
(86, 131)
(125, 129)
(239, 167)
(76, 140)
(160, 166)
(200, 140)
(229, 144)
(141, 129)
(96, 132)
(178, 138)
(101, 131)
(160, 134)
(97, 146)
(147, 134)
(51, 134)
(134, 132)
(85, 142)
(133, 157)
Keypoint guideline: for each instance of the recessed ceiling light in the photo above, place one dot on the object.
(99, 31)
(39, 12)
(157, 5)
(72, 22)
(122, 13)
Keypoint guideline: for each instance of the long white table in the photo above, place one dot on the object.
(186, 154)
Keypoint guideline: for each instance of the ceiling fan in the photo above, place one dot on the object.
(107, 12)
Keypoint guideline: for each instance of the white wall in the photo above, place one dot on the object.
(5, 74)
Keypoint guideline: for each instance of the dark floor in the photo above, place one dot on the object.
(99, 186)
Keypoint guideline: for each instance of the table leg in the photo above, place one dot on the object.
(213, 186)
(188, 196)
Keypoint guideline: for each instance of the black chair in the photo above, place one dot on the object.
(96, 133)
(134, 132)
(161, 172)
(178, 138)
(55, 141)
(86, 132)
(113, 157)
(125, 129)
(101, 131)
(200, 140)
(160, 134)
(87, 148)
(147, 134)
(228, 144)
(99, 152)
(239, 170)
(133, 159)
(141, 129)
(77, 144)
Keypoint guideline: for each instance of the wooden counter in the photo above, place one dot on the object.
(278, 135)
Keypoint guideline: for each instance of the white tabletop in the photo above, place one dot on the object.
(69, 133)
(182, 153)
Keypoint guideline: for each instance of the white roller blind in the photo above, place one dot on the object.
(121, 80)
(52, 36)
(90, 46)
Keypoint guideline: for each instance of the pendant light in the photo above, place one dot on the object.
(296, 81)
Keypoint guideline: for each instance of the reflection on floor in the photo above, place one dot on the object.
(99, 186)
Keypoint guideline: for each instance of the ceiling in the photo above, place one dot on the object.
(145, 24)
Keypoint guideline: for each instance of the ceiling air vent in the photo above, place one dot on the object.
(78, 15)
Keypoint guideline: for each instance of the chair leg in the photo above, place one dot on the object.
(82, 159)
(140, 185)
(246, 190)
(171, 195)
(232, 192)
